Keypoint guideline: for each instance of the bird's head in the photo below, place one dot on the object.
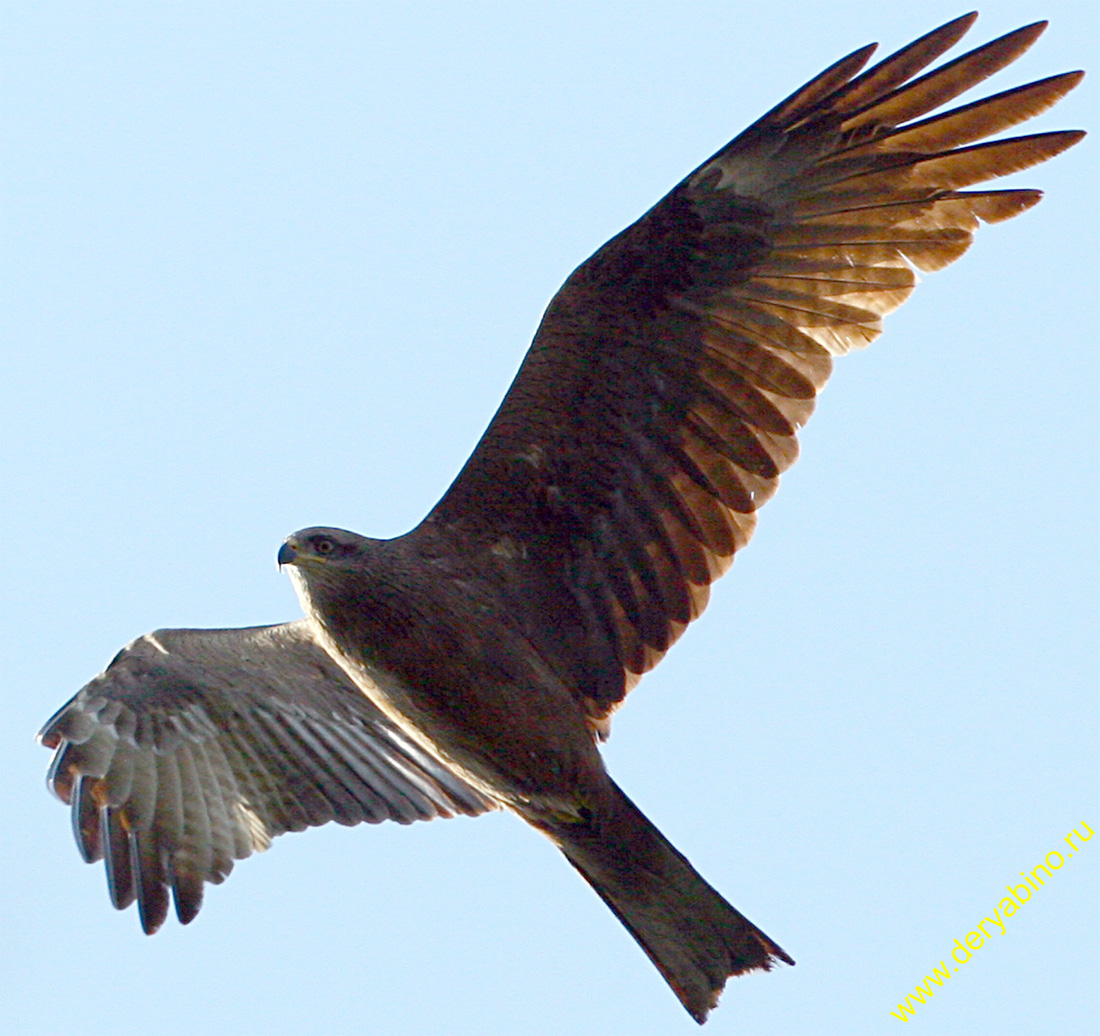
(314, 552)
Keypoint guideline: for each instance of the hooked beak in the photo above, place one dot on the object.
(288, 552)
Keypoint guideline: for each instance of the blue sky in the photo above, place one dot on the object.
(274, 265)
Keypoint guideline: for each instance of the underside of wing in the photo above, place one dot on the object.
(197, 747)
(661, 398)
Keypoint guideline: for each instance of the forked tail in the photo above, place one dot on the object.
(693, 936)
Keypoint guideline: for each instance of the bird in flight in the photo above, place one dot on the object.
(474, 663)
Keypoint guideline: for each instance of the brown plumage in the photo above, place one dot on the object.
(475, 662)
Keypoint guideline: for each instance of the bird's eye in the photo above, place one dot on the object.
(323, 545)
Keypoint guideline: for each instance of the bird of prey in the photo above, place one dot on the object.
(474, 663)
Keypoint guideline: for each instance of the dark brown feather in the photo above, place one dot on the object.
(674, 367)
(945, 83)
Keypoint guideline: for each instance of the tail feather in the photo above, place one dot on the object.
(692, 935)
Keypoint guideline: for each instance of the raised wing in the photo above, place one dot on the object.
(197, 747)
(660, 399)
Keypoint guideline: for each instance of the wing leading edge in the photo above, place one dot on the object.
(662, 396)
(196, 747)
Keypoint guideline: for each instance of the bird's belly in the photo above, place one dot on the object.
(521, 744)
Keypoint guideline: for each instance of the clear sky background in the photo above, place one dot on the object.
(274, 265)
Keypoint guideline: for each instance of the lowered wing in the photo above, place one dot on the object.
(197, 747)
